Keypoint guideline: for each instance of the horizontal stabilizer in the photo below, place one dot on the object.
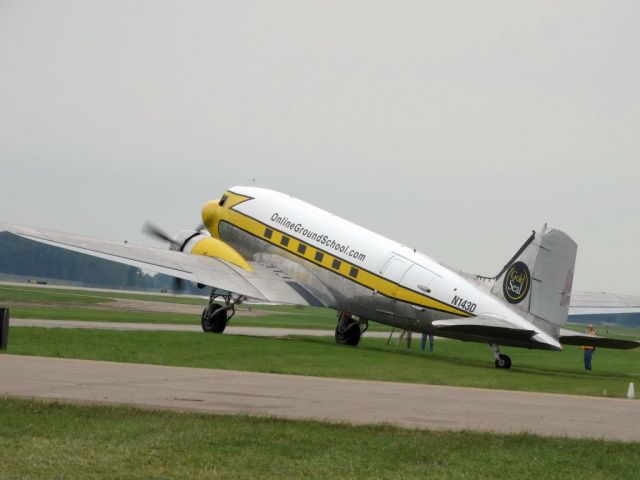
(485, 326)
(569, 337)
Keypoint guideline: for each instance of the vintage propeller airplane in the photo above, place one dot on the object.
(269, 246)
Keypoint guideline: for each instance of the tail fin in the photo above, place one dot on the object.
(538, 279)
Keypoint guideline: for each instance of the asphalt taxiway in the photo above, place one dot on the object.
(326, 399)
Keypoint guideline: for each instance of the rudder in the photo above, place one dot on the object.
(539, 278)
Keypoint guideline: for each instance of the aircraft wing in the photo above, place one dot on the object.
(263, 283)
(484, 326)
(569, 337)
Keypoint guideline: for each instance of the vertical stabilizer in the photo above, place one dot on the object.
(539, 278)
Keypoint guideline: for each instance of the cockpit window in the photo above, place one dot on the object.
(223, 200)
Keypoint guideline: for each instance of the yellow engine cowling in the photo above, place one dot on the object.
(212, 247)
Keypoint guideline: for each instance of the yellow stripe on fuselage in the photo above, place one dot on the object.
(344, 269)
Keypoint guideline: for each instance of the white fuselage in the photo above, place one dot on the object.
(358, 271)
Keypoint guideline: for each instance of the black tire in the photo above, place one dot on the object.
(350, 333)
(214, 323)
(504, 362)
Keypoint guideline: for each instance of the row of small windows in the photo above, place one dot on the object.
(318, 257)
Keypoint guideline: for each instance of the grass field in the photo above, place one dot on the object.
(85, 305)
(40, 295)
(50, 440)
(77, 296)
(324, 320)
(63, 297)
(453, 363)
(70, 304)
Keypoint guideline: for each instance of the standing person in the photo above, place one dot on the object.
(588, 349)
(424, 342)
(404, 333)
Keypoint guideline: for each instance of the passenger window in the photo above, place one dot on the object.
(319, 256)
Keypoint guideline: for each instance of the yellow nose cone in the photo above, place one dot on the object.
(211, 216)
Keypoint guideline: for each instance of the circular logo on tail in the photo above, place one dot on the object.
(516, 282)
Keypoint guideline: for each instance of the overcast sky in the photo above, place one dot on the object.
(453, 127)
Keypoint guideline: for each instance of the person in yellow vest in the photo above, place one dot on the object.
(588, 349)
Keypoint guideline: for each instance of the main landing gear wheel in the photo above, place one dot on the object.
(347, 330)
(214, 318)
(503, 362)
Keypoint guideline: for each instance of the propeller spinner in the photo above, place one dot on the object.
(176, 243)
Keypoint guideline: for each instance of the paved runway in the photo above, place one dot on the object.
(336, 400)
(171, 327)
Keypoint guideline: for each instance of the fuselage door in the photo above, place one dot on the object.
(417, 283)
(420, 279)
(391, 275)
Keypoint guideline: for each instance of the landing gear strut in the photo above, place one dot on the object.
(348, 329)
(215, 316)
(502, 360)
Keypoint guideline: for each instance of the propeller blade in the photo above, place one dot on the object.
(155, 231)
(178, 284)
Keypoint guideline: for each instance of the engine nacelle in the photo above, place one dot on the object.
(183, 237)
(200, 243)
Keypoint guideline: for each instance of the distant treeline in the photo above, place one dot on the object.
(19, 256)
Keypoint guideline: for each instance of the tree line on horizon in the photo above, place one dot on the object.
(19, 256)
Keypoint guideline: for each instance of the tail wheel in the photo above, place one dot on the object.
(214, 320)
(504, 361)
(348, 332)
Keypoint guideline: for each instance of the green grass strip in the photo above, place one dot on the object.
(28, 293)
(324, 321)
(50, 440)
(40, 295)
(99, 315)
(453, 362)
